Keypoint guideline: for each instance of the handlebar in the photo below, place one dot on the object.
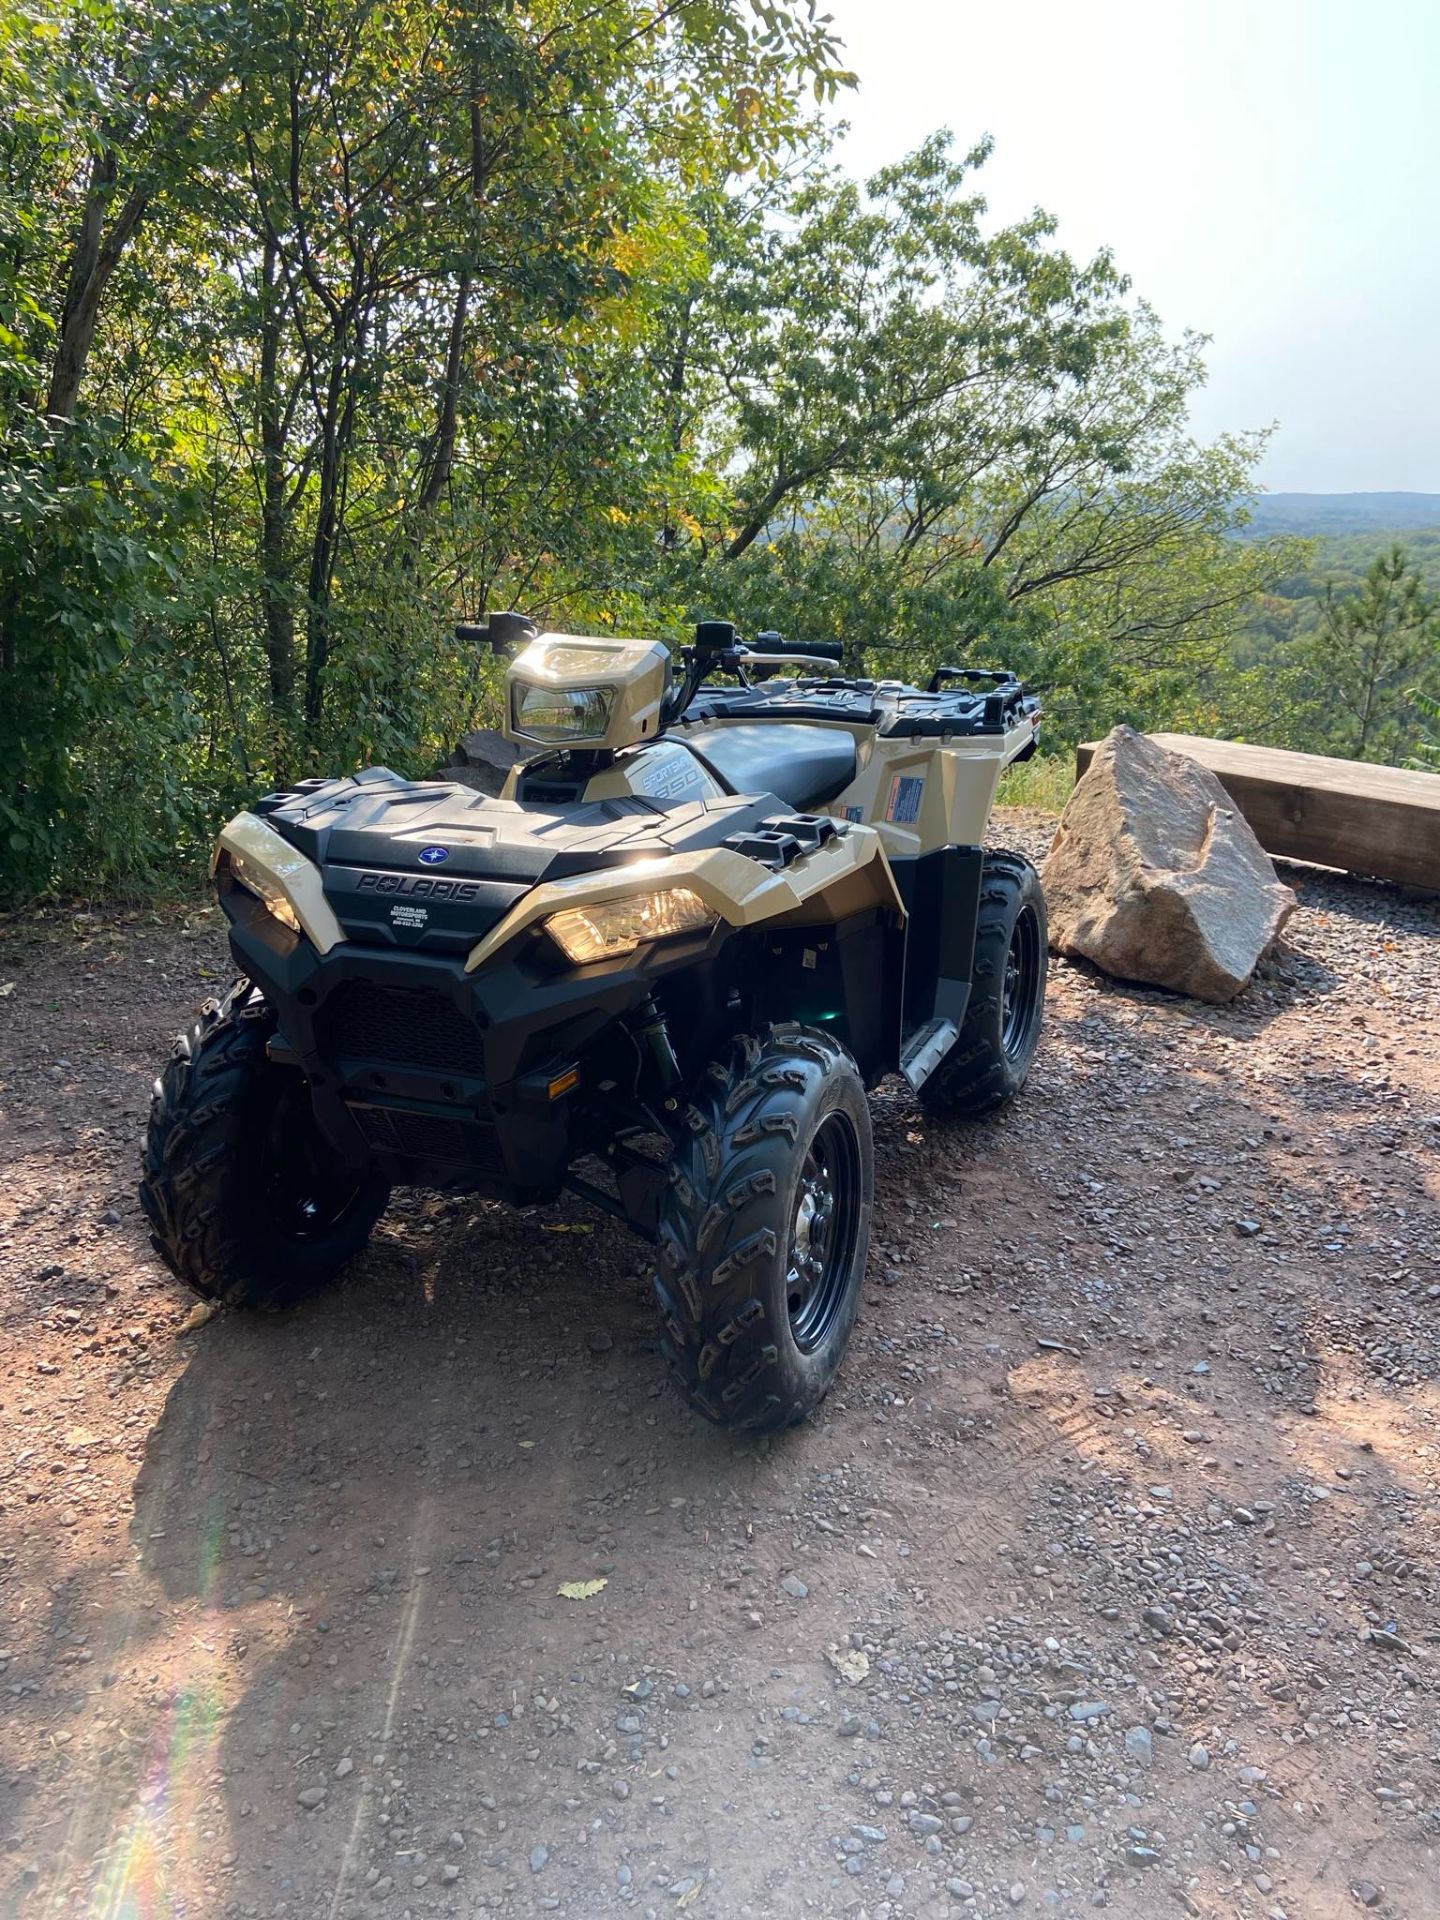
(789, 656)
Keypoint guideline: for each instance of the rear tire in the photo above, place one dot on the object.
(989, 1062)
(247, 1202)
(764, 1229)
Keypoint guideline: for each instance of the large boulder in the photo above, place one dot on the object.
(482, 760)
(1156, 876)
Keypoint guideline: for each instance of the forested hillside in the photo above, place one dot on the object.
(1342, 656)
(324, 324)
(1336, 515)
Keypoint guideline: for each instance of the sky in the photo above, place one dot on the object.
(1266, 173)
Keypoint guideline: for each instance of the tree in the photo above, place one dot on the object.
(1426, 755)
(922, 437)
(324, 321)
(398, 246)
(1375, 649)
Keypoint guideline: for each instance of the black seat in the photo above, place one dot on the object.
(803, 766)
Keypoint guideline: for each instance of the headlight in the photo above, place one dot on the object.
(561, 713)
(619, 926)
(255, 879)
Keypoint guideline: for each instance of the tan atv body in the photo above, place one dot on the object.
(661, 970)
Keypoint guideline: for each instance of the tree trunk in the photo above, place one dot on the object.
(94, 258)
(274, 512)
(675, 408)
(442, 460)
(337, 432)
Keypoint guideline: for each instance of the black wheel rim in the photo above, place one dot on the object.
(823, 1231)
(309, 1186)
(1024, 976)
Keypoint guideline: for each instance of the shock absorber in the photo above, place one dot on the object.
(654, 1038)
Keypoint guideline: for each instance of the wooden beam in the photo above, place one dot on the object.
(1383, 821)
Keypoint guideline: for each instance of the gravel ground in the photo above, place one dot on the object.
(1106, 1576)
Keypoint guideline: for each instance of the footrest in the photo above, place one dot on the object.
(925, 1049)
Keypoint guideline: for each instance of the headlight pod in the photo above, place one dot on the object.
(560, 713)
(255, 879)
(613, 927)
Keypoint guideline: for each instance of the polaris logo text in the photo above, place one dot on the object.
(416, 887)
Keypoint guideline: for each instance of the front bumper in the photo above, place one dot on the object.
(439, 1077)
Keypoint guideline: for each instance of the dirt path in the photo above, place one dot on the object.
(1109, 1575)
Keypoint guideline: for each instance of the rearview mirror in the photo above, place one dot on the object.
(498, 631)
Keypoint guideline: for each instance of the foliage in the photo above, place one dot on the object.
(324, 322)
(1425, 756)
(1344, 660)
(97, 726)
(933, 441)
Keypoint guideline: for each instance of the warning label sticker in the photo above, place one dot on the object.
(903, 806)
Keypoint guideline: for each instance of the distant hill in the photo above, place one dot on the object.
(1334, 513)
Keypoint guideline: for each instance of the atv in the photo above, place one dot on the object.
(660, 970)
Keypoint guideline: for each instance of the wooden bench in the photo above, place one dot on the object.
(1335, 813)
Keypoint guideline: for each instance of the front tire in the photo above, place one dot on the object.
(764, 1229)
(246, 1200)
(989, 1062)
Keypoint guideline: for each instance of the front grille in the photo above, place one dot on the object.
(401, 1026)
(430, 1136)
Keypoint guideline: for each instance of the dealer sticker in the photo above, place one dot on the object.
(406, 916)
(906, 792)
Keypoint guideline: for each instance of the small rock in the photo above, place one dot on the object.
(1017, 1892)
(1247, 1229)
(1200, 1757)
(1140, 1745)
(1089, 1710)
(344, 1768)
(538, 1857)
(1157, 1618)
(795, 1587)
(1367, 1893)
(311, 1797)
(600, 1341)
(1142, 1856)
(1388, 1638)
(924, 1824)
